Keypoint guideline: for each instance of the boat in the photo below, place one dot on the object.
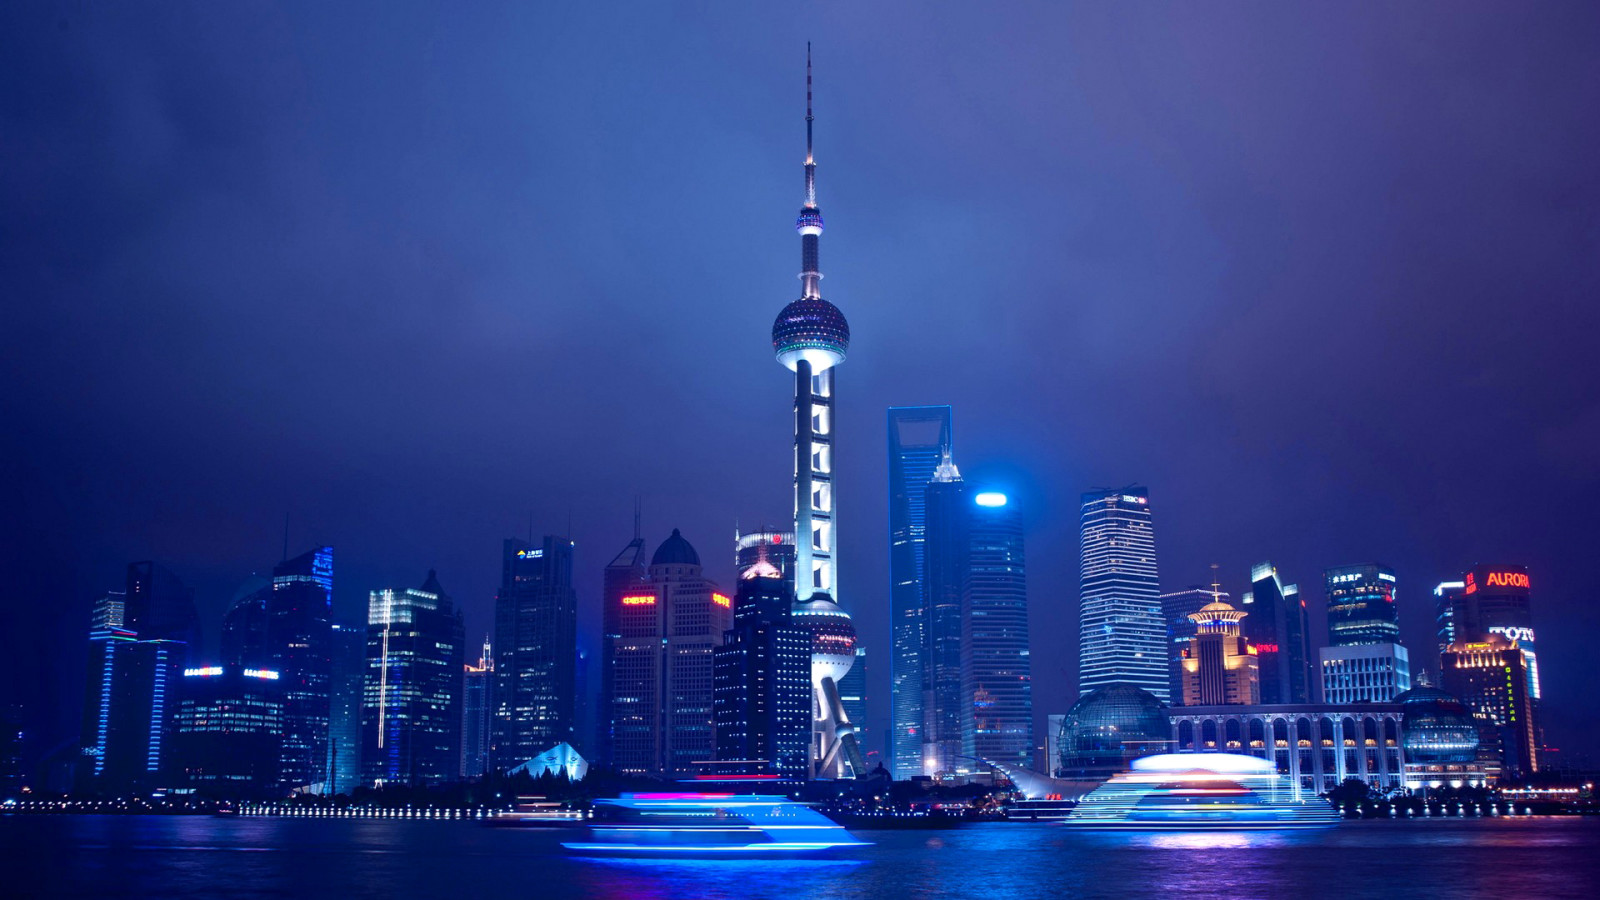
(1199, 792)
(709, 825)
(536, 812)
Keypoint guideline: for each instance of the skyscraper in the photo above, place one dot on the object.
(996, 672)
(622, 576)
(227, 731)
(1495, 599)
(917, 437)
(663, 716)
(411, 696)
(1367, 673)
(107, 633)
(762, 672)
(142, 663)
(1361, 606)
(244, 626)
(946, 555)
(477, 710)
(1491, 678)
(1278, 628)
(1176, 608)
(1121, 635)
(536, 649)
(299, 613)
(344, 706)
(1218, 665)
(810, 337)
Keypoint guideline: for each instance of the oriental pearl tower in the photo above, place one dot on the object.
(810, 337)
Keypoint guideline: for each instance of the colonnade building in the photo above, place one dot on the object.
(1316, 745)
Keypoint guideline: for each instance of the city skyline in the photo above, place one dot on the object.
(98, 503)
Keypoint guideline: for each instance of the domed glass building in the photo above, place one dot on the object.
(1110, 725)
(1440, 739)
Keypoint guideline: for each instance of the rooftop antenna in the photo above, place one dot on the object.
(1216, 584)
(285, 536)
(636, 510)
(811, 166)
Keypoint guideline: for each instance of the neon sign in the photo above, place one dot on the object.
(722, 601)
(1266, 648)
(640, 600)
(261, 673)
(530, 554)
(1507, 579)
(1520, 634)
(202, 673)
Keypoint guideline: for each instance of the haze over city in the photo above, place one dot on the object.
(418, 278)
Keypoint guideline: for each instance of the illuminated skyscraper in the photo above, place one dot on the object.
(411, 696)
(1218, 665)
(762, 672)
(107, 633)
(1279, 630)
(227, 731)
(662, 709)
(477, 710)
(1491, 678)
(622, 575)
(344, 706)
(1361, 606)
(1366, 673)
(810, 337)
(917, 437)
(536, 651)
(1176, 608)
(1121, 636)
(300, 643)
(996, 672)
(947, 551)
(1495, 600)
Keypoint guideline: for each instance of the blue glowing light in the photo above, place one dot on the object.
(990, 499)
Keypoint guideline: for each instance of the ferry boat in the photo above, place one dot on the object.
(1197, 792)
(714, 825)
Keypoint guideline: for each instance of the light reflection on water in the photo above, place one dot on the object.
(353, 859)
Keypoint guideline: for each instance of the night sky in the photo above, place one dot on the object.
(1324, 277)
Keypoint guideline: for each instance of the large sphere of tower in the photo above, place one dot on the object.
(812, 329)
(833, 637)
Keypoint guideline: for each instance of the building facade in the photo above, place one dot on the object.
(621, 578)
(536, 650)
(762, 672)
(477, 712)
(299, 614)
(1279, 629)
(1361, 605)
(996, 670)
(1122, 638)
(227, 731)
(1316, 745)
(946, 553)
(1366, 673)
(411, 696)
(918, 435)
(1496, 600)
(1219, 665)
(1176, 607)
(344, 710)
(1491, 678)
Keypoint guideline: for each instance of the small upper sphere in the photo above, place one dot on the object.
(812, 329)
(810, 221)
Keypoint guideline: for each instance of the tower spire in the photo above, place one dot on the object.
(810, 222)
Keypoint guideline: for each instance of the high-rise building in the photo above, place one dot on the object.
(411, 697)
(140, 665)
(762, 672)
(1444, 600)
(1495, 600)
(344, 706)
(623, 575)
(536, 650)
(299, 613)
(477, 711)
(853, 696)
(1365, 673)
(1361, 606)
(663, 716)
(1279, 630)
(947, 516)
(227, 731)
(1121, 636)
(244, 626)
(1176, 608)
(996, 672)
(810, 337)
(918, 435)
(1490, 677)
(1219, 665)
(107, 633)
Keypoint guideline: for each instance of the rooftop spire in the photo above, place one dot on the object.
(810, 222)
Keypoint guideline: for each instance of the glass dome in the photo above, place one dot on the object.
(1436, 728)
(1107, 725)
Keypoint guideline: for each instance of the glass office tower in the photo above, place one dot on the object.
(300, 642)
(996, 673)
(536, 651)
(411, 696)
(917, 437)
(1122, 638)
(947, 548)
(1278, 628)
(1361, 606)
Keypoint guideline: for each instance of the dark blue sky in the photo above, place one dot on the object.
(1324, 277)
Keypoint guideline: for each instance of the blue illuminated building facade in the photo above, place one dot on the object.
(227, 731)
(1122, 638)
(1278, 627)
(299, 613)
(1176, 608)
(948, 520)
(918, 435)
(411, 694)
(344, 711)
(1361, 606)
(477, 711)
(996, 672)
